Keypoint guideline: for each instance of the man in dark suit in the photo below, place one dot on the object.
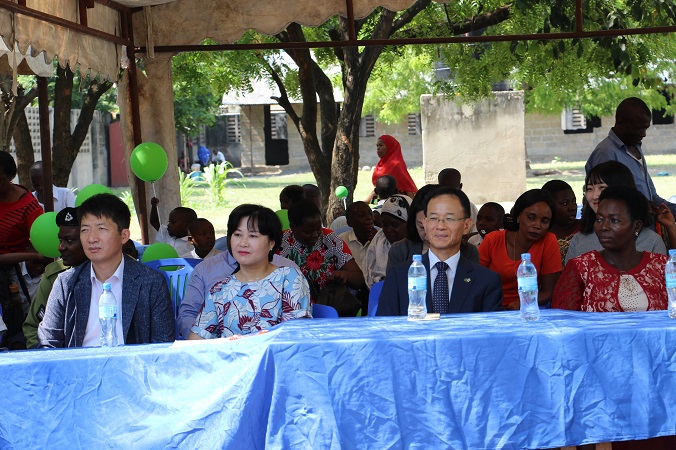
(465, 286)
(145, 313)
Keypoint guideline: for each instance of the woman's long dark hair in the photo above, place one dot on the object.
(525, 200)
(612, 173)
(417, 205)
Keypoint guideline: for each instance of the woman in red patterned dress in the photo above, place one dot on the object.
(617, 278)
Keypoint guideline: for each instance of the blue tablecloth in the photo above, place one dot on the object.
(466, 381)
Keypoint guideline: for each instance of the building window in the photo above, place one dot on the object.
(233, 130)
(414, 128)
(278, 126)
(367, 126)
(573, 121)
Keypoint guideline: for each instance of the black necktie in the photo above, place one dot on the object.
(440, 292)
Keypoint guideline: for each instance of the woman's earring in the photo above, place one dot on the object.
(636, 233)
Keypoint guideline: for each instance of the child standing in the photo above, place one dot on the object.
(175, 232)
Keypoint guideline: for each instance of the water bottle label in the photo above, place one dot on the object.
(417, 284)
(527, 283)
(671, 280)
(108, 312)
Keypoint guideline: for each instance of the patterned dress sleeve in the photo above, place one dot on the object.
(569, 290)
(296, 297)
(207, 324)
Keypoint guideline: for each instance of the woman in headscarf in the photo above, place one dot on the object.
(392, 163)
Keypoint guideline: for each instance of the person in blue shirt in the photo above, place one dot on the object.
(624, 144)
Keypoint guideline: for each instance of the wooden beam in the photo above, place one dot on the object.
(55, 20)
(142, 207)
(462, 39)
(45, 144)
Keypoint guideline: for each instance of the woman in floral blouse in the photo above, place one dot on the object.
(318, 251)
(619, 277)
(259, 294)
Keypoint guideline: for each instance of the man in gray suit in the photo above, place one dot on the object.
(145, 313)
(454, 284)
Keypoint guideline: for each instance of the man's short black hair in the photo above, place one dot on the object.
(263, 218)
(628, 107)
(302, 210)
(349, 212)
(7, 164)
(445, 190)
(186, 213)
(294, 193)
(106, 205)
(386, 186)
(450, 177)
(556, 186)
(312, 191)
(496, 207)
(195, 224)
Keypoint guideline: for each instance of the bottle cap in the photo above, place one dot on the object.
(106, 286)
(672, 252)
(525, 256)
(417, 257)
(13, 289)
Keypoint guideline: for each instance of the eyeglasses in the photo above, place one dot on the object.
(435, 221)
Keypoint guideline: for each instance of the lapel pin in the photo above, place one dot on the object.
(467, 280)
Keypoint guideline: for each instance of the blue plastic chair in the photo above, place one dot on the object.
(177, 279)
(324, 312)
(374, 297)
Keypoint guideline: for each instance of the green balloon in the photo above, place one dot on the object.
(45, 235)
(341, 192)
(90, 191)
(159, 250)
(149, 161)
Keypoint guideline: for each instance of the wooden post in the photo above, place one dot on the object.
(45, 144)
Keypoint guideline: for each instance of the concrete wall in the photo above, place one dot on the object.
(91, 164)
(253, 139)
(484, 141)
(545, 139)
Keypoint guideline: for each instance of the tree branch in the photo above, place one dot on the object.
(91, 99)
(471, 24)
(408, 15)
(283, 99)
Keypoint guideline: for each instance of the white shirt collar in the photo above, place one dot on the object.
(117, 275)
(452, 261)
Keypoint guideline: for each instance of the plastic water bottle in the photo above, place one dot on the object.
(527, 279)
(417, 289)
(108, 317)
(670, 274)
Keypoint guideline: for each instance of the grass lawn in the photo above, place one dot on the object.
(264, 190)
(573, 173)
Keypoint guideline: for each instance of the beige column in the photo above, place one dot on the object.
(156, 104)
(485, 141)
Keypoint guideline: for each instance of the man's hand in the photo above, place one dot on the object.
(340, 276)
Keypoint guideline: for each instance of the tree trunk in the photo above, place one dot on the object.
(67, 145)
(13, 115)
(334, 155)
(25, 154)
